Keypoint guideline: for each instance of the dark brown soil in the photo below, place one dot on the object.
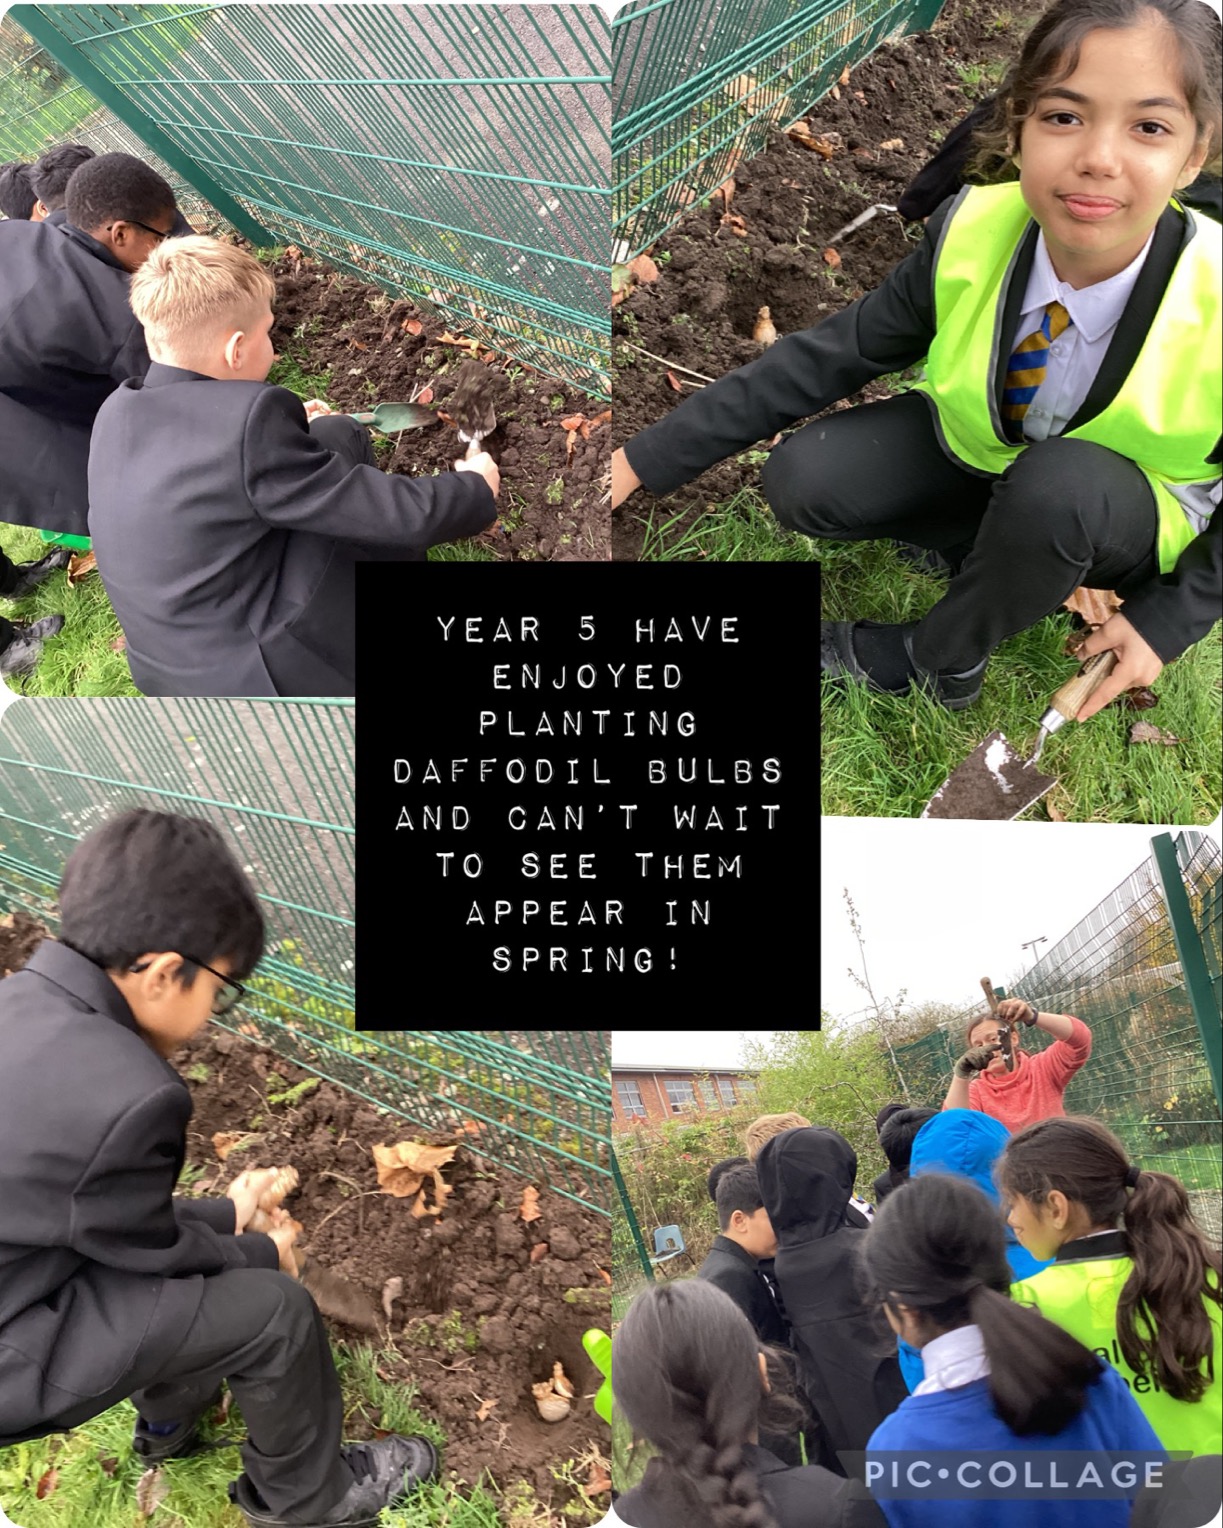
(20, 936)
(702, 310)
(552, 507)
(513, 1319)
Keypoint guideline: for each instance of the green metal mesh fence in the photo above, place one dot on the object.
(700, 85)
(1118, 970)
(275, 777)
(459, 154)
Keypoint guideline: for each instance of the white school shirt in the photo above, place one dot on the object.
(954, 1359)
(1076, 354)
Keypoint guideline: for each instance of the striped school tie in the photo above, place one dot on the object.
(1025, 371)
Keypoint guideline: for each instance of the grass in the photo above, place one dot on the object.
(884, 756)
(741, 530)
(96, 1474)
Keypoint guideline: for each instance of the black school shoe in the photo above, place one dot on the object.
(31, 574)
(156, 1448)
(839, 660)
(383, 1474)
(25, 649)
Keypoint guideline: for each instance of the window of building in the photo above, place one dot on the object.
(629, 1095)
(709, 1093)
(726, 1086)
(682, 1096)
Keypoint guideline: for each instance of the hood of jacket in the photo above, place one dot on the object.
(806, 1177)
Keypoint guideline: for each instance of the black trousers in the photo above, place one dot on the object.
(1066, 512)
(263, 1333)
(346, 436)
(8, 578)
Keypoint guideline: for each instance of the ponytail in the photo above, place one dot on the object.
(685, 1373)
(938, 1245)
(1162, 1328)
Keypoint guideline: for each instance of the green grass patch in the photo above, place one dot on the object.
(885, 756)
(293, 371)
(462, 551)
(741, 530)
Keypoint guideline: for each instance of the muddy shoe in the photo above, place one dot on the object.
(25, 648)
(880, 656)
(156, 1442)
(954, 691)
(31, 574)
(383, 1474)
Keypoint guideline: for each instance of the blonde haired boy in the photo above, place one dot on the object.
(227, 517)
(766, 1127)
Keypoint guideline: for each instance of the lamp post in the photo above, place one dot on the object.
(1032, 943)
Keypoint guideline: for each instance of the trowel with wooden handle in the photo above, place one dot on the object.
(994, 784)
(1005, 1031)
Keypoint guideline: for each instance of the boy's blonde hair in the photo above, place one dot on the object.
(188, 290)
(766, 1127)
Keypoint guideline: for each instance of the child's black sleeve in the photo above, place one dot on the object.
(295, 482)
(1174, 611)
(887, 330)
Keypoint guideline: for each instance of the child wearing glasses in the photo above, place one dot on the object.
(230, 558)
(109, 1286)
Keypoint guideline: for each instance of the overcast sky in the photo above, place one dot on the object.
(942, 904)
(711, 1048)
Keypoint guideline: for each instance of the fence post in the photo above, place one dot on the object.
(64, 52)
(631, 1218)
(1192, 958)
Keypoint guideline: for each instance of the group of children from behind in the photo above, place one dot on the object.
(1034, 1292)
(227, 521)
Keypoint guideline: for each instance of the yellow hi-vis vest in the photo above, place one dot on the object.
(1166, 416)
(1081, 1298)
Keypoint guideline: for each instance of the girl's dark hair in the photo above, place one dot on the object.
(938, 1245)
(1162, 1325)
(897, 1137)
(1051, 52)
(686, 1374)
(147, 882)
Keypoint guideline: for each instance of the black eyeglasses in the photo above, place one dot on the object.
(159, 236)
(229, 994)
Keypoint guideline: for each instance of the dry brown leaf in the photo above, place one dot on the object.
(47, 1483)
(293, 252)
(574, 422)
(802, 134)
(603, 418)
(151, 1490)
(81, 565)
(644, 270)
(832, 259)
(619, 295)
(1095, 606)
(539, 1251)
(570, 443)
(529, 1209)
(486, 1408)
(403, 1168)
(441, 1192)
(889, 145)
(735, 223)
(860, 96)
(1139, 699)
(598, 1480)
(391, 1291)
(844, 79)
(412, 326)
(603, 1274)
(1055, 814)
(108, 1464)
(358, 345)
(727, 192)
(1147, 732)
(675, 382)
(224, 1141)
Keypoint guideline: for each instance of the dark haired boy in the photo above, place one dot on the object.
(50, 174)
(896, 1138)
(17, 198)
(747, 1236)
(67, 334)
(109, 1287)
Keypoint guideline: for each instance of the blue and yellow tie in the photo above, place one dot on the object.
(1025, 371)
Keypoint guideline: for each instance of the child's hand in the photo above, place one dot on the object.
(1137, 662)
(482, 463)
(624, 479)
(245, 1191)
(316, 407)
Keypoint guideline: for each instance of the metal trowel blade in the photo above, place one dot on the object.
(993, 784)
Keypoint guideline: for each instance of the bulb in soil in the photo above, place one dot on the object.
(553, 1408)
(285, 1181)
(560, 1381)
(764, 333)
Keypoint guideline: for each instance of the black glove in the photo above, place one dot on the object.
(976, 1059)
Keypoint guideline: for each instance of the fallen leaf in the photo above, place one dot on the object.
(220, 1414)
(224, 1141)
(835, 92)
(119, 645)
(486, 1408)
(293, 252)
(1055, 815)
(644, 270)
(824, 146)
(603, 1274)
(1147, 732)
(108, 1464)
(46, 1484)
(403, 1168)
(860, 96)
(358, 345)
(598, 1480)
(832, 259)
(574, 422)
(441, 1191)
(735, 223)
(621, 278)
(539, 1251)
(81, 565)
(391, 1291)
(1139, 699)
(726, 191)
(603, 418)
(151, 1490)
(618, 297)
(425, 397)
(570, 443)
(412, 326)
(1095, 606)
(529, 1209)
(675, 382)
(844, 79)
(892, 144)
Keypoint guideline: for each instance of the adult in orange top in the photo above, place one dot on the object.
(1034, 1089)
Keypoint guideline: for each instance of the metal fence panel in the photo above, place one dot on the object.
(700, 85)
(458, 154)
(1148, 1078)
(275, 777)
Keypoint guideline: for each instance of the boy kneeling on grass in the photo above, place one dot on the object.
(227, 522)
(110, 1287)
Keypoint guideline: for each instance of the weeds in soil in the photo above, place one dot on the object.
(885, 756)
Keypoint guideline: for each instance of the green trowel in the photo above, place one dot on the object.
(391, 418)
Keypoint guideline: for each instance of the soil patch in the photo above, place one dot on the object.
(478, 1321)
(552, 505)
(20, 936)
(702, 310)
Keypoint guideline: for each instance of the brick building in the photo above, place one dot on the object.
(662, 1092)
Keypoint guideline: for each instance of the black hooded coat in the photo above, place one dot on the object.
(846, 1351)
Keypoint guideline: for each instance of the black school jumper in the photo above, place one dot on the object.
(109, 1287)
(1066, 512)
